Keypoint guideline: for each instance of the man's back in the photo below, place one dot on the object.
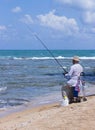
(75, 71)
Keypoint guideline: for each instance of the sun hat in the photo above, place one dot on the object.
(76, 58)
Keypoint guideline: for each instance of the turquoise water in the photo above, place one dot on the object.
(45, 53)
(28, 75)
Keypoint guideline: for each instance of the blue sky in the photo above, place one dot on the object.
(60, 24)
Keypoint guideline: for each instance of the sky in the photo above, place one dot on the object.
(60, 24)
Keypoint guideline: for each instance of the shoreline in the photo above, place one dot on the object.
(36, 103)
(76, 116)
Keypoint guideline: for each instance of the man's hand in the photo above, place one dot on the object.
(65, 73)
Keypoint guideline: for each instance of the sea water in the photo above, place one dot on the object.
(34, 76)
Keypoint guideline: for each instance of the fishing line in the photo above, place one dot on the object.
(43, 43)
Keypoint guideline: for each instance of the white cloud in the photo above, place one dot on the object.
(89, 17)
(83, 4)
(87, 14)
(16, 9)
(61, 23)
(27, 19)
(2, 27)
(93, 30)
(8, 33)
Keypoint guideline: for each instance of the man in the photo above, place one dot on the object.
(73, 83)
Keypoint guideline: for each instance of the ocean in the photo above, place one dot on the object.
(34, 77)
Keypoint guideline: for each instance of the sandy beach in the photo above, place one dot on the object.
(76, 116)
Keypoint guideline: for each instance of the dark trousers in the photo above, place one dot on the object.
(70, 91)
(75, 93)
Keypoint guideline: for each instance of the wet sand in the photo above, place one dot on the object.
(76, 116)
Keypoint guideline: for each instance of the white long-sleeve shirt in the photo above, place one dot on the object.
(74, 74)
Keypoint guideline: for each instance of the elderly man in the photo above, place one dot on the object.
(72, 87)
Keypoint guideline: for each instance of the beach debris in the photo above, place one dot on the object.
(65, 100)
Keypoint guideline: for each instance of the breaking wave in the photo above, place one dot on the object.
(44, 58)
(3, 89)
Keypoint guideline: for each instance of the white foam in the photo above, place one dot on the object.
(3, 89)
(45, 57)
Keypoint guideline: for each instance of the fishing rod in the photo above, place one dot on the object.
(50, 53)
(43, 43)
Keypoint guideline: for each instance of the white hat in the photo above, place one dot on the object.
(76, 58)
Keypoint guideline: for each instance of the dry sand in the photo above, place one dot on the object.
(76, 116)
